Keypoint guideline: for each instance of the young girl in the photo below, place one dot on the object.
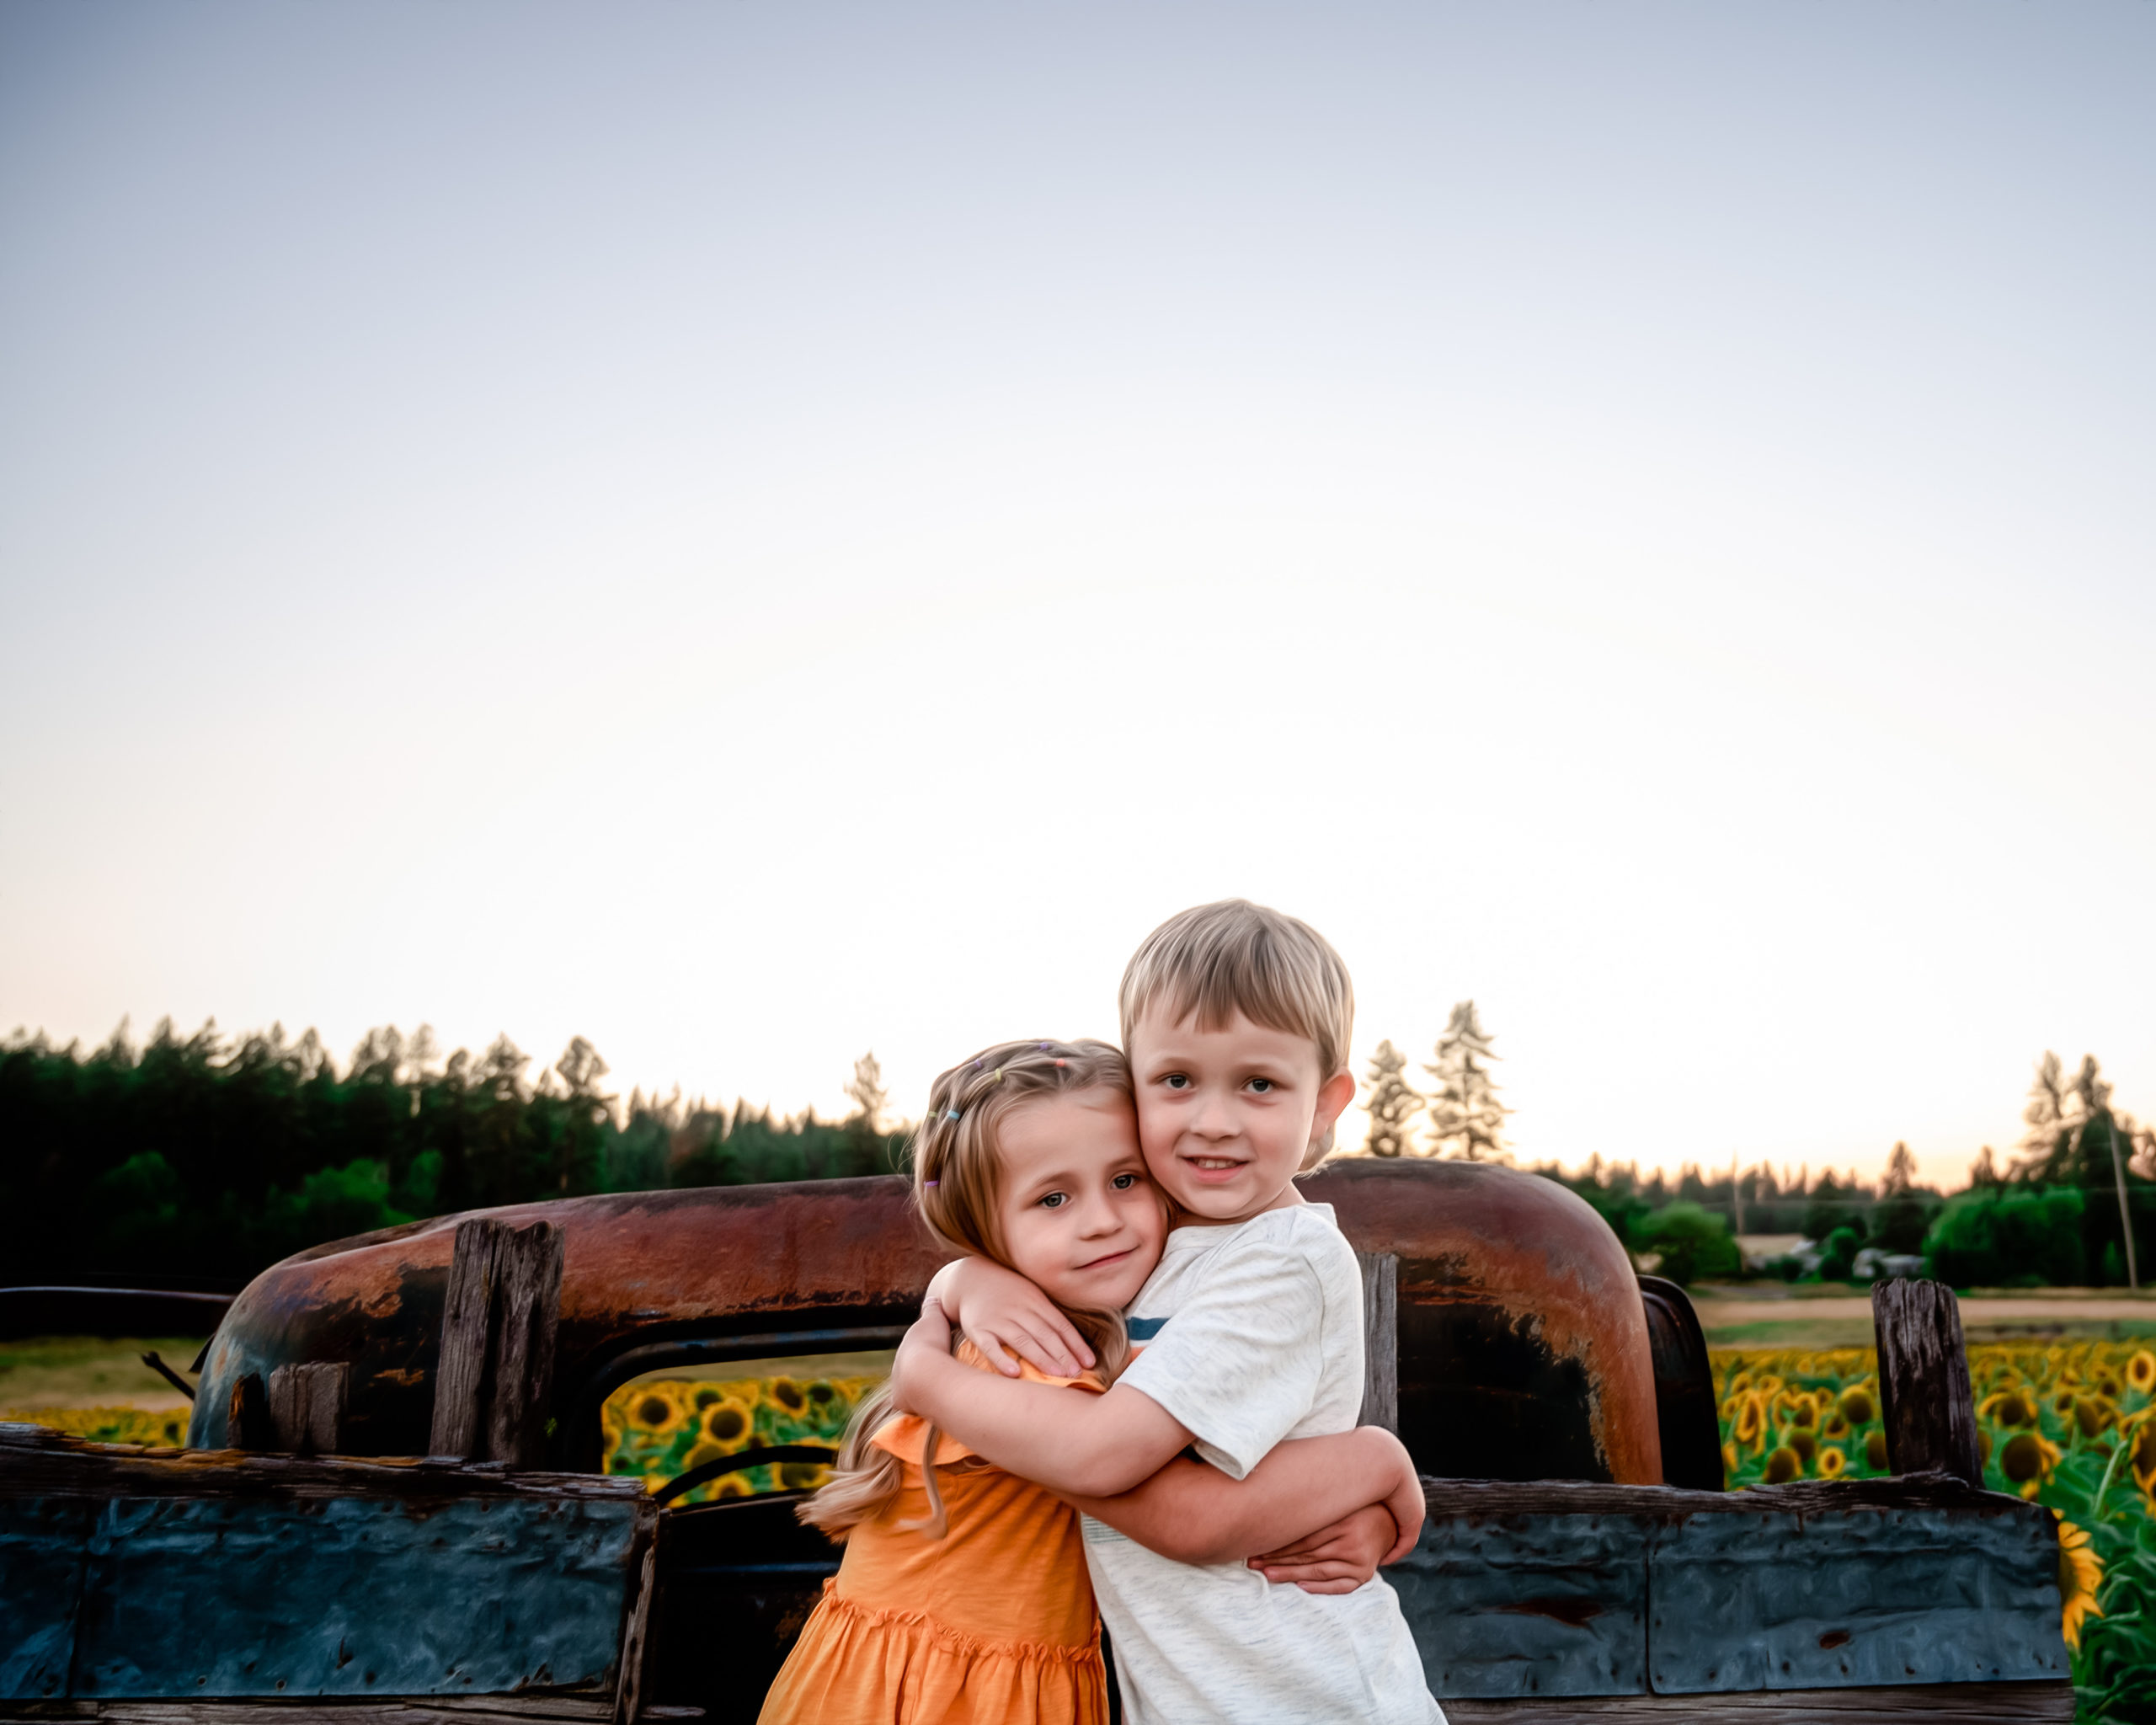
(962, 1594)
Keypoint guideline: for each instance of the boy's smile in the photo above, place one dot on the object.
(1225, 1115)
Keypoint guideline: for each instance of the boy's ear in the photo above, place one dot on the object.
(1333, 1097)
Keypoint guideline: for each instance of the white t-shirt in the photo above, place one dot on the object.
(1252, 1333)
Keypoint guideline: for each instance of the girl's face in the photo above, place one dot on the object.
(1080, 1216)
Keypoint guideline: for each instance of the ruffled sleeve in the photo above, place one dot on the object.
(906, 1435)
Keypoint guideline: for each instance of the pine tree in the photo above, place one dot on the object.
(865, 1088)
(1466, 1119)
(1394, 1102)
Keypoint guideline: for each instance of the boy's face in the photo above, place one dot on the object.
(1225, 1116)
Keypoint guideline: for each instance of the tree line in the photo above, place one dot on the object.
(196, 1161)
(2076, 1207)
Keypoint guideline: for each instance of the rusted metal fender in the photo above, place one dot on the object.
(1524, 1347)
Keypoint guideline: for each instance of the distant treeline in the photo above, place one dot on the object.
(197, 1160)
(2053, 1218)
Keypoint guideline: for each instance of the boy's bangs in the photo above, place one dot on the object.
(1217, 961)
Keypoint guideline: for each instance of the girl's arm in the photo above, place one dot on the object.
(1195, 1514)
(1069, 1440)
(1008, 1318)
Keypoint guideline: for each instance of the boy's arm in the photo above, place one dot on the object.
(1069, 1440)
(1195, 1514)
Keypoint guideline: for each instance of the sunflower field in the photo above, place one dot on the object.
(2071, 1425)
(159, 1428)
(660, 1428)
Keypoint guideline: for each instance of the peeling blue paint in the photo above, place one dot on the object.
(328, 1596)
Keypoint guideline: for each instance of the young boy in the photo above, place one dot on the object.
(1236, 1020)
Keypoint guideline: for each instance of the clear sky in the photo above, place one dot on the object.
(752, 533)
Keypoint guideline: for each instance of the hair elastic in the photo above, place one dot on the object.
(1059, 1060)
(950, 1113)
(928, 1182)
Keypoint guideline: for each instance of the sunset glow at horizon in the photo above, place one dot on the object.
(752, 535)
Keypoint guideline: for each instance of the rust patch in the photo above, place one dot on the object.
(1574, 1613)
(1835, 1638)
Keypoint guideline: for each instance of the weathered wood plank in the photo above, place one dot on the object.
(519, 1384)
(249, 1422)
(383, 1710)
(1925, 1401)
(1900, 1704)
(494, 1378)
(1380, 1339)
(1544, 1605)
(1801, 1601)
(48, 1465)
(635, 1644)
(467, 1311)
(306, 1407)
(1557, 1588)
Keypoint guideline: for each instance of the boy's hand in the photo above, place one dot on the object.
(1336, 1559)
(1409, 1506)
(930, 1332)
(1004, 1315)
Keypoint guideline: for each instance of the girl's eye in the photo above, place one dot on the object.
(1176, 1080)
(1054, 1200)
(1123, 1183)
(1261, 1084)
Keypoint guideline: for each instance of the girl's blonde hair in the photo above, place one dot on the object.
(958, 1175)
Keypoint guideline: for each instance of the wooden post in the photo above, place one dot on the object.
(494, 1381)
(306, 1407)
(1924, 1398)
(1380, 1339)
(246, 1422)
(520, 1390)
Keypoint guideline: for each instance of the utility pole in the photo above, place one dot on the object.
(1736, 1193)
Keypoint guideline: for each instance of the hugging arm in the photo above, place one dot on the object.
(1069, 1440)
(1305, 1487)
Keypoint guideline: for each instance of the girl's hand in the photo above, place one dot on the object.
(930, 1333)
(1004, 1315)
(1336, 1559)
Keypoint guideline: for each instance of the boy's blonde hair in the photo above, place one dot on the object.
(958, 1175)
(1216, 960)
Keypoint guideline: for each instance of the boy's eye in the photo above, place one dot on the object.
(1054, 1200)
(1123, 1183)
(1261, 1084)
(1176, 1080)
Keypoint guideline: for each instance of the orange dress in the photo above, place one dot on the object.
(994, 1624)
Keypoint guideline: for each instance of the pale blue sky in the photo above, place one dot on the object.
(751, 532)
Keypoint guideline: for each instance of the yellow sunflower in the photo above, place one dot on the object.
(2009, 1407)
(2143, 1456)
(1784, 1465)
(2093, 1414)
(787, 1394)
(2027, 1458)
(1749, 1418)
(1728, 1459)
(652, 1407)
(1805, 1442)
(2140, 1371)
(2080, 1573)
(1875, 1451)
(1832, 1461)
(728, 1424)
(1857, 1406)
